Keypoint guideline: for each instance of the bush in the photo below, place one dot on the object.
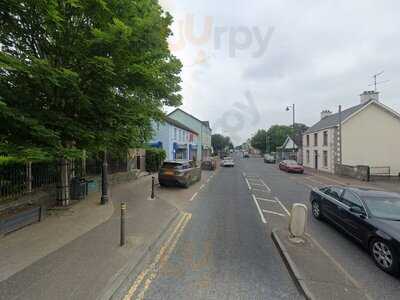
(154, 159)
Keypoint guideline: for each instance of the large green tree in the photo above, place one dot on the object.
(258, 140)
(220, 142)
(82, 74)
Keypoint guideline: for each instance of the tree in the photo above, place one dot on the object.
(258, 140)
(220, 142)
(277, 135)
(83, 74)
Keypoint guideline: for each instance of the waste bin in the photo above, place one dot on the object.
(78, 188)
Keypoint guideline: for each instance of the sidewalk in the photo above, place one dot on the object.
(85, 266)
(392, 186)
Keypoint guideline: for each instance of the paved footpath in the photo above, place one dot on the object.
(85, 266)
(223, 251)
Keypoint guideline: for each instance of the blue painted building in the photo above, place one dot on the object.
(178, 140)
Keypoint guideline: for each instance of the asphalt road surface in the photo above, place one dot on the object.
(291, 188)
(224, 251)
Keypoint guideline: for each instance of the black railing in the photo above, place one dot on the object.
(15, 180)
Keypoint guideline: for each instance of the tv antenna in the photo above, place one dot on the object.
(375, 76)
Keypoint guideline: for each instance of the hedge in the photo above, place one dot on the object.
(154, 159)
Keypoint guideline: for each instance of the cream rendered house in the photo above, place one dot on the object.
(370, 136)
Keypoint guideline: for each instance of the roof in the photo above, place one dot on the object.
(205, 123)
(287, 141)
(333, 120)
(178, 124)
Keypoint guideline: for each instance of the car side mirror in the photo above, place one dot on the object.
(357, 210)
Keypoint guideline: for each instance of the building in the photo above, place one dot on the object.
(201, 127)
(288, 150)
(178, 140)
(370, 133)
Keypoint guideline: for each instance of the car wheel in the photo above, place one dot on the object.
(316, 210)
(384, 256)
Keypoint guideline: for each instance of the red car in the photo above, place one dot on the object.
(291, 166)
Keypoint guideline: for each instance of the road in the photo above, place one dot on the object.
(224, 251)
(291, 188)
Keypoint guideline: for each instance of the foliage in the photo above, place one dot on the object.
(82, 74)
(154, 159)
(220, 142)
(258, 140)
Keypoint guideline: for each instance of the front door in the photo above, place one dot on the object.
(316, 159)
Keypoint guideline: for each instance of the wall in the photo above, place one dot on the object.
(320, 148)
(358, 172)
(372, 138)
(204, 137)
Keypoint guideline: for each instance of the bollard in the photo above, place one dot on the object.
(297, 222)
(123, 213)
(152, 187)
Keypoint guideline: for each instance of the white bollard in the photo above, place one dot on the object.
(297, 222)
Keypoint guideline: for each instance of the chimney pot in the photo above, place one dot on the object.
(325, 113)
(368, 96)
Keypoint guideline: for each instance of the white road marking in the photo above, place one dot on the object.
(283, 206)
(266, 186)
(266, 200)
(257, 184)
(259, 209)
(244, 174)
(261, 190)
(273, 213)
(248, 184)
(194, 196)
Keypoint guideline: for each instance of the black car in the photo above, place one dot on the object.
(371, 217)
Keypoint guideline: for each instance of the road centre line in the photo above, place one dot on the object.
(248, 184)
(273, 213)
(283, 207)
(259, 209)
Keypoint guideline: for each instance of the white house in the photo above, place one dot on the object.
(201, 127)
(370, 136)
(178, 140)
(288, 150)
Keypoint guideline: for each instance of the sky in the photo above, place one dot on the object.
(244, 62)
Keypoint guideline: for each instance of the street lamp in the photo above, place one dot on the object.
(104, 179)
(288, 108)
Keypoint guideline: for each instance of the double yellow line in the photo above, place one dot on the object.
(146, 277)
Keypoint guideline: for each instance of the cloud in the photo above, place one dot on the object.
(319, 55)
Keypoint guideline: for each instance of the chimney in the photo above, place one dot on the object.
(369, 95)
(325, 113)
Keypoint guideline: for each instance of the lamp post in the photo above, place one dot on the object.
(293, 108)
(104, 179)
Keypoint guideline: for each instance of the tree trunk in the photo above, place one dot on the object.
(63, 185)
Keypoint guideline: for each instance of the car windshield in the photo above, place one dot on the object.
(228, 158)
(291, 162)
(384, 208)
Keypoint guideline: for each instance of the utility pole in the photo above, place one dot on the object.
(340, 135)
(293, 108)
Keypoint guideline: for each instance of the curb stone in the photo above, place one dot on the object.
(292, 267)
(121, 284)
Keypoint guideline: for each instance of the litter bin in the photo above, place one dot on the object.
(78, 188)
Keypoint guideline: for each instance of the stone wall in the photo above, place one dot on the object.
(358, 172)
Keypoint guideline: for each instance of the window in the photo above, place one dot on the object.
(308, 140)
(351, 200)
(325, 157)
(325, 138)
(334, 192)
(175, 134)
(308, 156)
(315, 139)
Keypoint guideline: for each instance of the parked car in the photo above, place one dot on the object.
(269, 159)
(227, 162)
(291, 166)
(246, 154)
(179, 172)
(371, 217)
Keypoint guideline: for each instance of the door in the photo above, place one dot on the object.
(331, 203)
(353, 223)
(316, 159)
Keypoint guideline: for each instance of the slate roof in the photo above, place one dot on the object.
(205, 123)
(179, 125)
(333, 120)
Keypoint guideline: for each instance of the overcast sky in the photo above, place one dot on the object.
(245, 62)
